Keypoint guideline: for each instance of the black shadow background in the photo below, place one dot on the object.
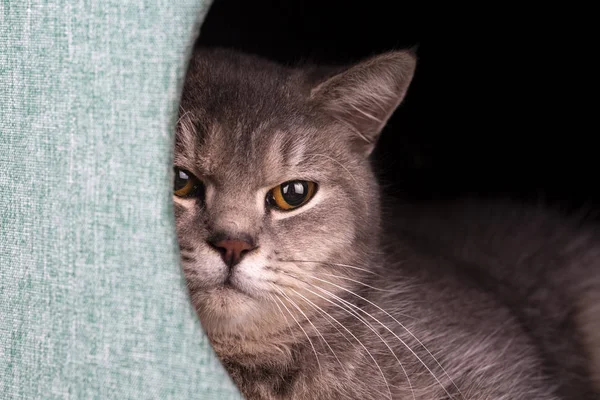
(494, 108)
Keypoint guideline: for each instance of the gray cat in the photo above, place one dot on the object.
(307, 290)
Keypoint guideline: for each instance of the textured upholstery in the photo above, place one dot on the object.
(93, 304)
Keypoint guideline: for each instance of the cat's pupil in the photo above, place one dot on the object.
(294, 192)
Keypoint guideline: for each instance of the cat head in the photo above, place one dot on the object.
(274, 193)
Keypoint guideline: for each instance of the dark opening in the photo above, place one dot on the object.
(492, 109)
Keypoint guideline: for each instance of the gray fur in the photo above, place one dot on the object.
(494, 302)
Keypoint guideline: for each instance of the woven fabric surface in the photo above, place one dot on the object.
(93, 303)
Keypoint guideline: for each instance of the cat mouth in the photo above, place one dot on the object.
(229, 285)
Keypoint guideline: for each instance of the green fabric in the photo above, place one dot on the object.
(93, 304)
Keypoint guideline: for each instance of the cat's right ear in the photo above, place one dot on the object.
(364, 96)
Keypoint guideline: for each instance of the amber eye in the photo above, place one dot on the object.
(186, 185)
(292, 194)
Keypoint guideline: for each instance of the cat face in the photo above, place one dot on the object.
(273, 188)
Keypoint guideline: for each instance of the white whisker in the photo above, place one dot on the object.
(310, 322)
(306, 334)
(287, 321)
(323, 312)
(368, 325)
(334, 264)
(355, 281)
(397, 337)
(365, 348)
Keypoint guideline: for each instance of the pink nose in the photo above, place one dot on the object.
(232, 251)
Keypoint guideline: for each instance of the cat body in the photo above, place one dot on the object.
(333, 298)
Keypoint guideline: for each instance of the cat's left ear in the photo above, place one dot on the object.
(365, 95)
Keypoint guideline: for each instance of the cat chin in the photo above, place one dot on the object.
(226, 308)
